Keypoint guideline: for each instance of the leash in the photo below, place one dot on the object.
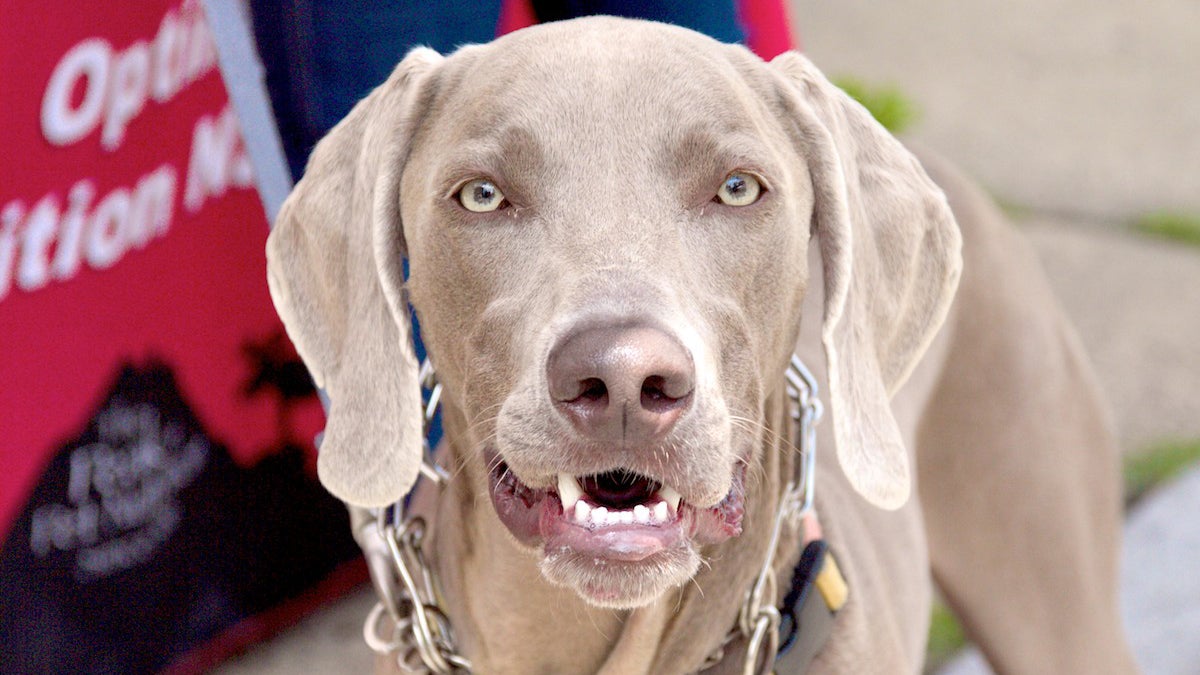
(409, 620)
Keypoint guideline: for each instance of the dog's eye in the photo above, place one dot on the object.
(481, 196)
(739, 189)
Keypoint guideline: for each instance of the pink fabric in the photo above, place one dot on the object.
(514, 15)
(768, 30)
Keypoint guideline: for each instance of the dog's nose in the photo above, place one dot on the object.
(625, 385)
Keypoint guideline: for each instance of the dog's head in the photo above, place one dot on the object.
(607, 225)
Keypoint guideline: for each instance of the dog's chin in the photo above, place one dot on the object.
(618, 539)
(617, 584)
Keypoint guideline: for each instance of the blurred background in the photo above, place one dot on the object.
(1081, 119)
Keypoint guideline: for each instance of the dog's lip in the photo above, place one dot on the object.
(535, 517)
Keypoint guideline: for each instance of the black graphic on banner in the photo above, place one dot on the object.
(144, 539)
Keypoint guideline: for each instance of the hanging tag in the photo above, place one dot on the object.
(808, 611)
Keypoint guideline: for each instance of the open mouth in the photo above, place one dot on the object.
(616, 498)
(617, 515)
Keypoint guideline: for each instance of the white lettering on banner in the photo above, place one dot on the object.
(96, 86)
(44, 243)
(122, 492)
(116, 85)
(49, 247)
(218, 160)
(127, 95)
(66, 258)
(10, 218)
(39, 234)
(62, 123)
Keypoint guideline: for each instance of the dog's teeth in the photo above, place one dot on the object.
(600, 516)
(660, 512)
(641, 514)
(582, 511)
(569, 491)
(671, 497)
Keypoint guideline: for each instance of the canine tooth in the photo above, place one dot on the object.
(641, 514)
(660, 512)
(671, 497)
(626, 517)
(582, 511)
(600, 516)
(569, 491)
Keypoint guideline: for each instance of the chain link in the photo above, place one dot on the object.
(758, 620)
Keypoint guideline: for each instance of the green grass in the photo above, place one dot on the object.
(890, 107)
(1160, 463)
(1171, 225)
(946, 637)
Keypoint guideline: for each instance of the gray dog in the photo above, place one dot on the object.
(614, 230)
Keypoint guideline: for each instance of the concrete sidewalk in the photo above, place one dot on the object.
(1086, 108)
(1135, 300)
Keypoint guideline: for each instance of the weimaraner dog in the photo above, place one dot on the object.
(618, 234)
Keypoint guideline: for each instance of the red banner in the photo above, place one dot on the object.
(129, 228)
(139, 351)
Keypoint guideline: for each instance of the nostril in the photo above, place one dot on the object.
(655, 398)
(593, 390)
(652, 388)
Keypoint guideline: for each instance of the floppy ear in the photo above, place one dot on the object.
(334, 270)
(890, 250)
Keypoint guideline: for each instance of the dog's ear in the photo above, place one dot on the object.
(890, 251)
(334, 266)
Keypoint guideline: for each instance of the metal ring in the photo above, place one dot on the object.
(412, 662)
(371, 633)
(766, 628)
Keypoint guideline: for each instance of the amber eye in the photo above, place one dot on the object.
(739, 189)
(481, 195)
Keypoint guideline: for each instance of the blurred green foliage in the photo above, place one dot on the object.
(1160, 463)
(946, 637)
(1178, 226)
(890, 107)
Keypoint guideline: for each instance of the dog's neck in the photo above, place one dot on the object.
(508, 619)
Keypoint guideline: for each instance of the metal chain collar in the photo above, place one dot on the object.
(408, 620)
(420, 633)
(758, 620)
